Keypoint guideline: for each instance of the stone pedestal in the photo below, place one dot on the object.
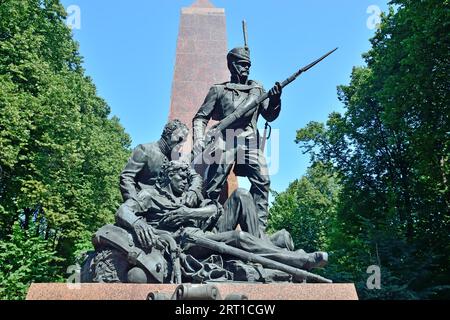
(276, 291)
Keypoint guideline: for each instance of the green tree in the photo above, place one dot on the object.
(61, 153)
(26, 257)
(307, 209)
(390, 150)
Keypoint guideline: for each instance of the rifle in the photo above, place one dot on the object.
(240, 112)
(225, 249)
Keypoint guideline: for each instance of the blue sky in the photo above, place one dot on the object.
(129, 51)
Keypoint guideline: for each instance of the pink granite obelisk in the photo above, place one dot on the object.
(200, 62)
(200, 58)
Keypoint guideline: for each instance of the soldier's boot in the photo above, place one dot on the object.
(317, 259)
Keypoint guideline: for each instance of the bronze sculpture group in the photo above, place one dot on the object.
(172, 227)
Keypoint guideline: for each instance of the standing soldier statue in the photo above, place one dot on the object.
(244, 152)
(237, 105)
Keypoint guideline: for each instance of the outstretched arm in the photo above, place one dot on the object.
(184, 216)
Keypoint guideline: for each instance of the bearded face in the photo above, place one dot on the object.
(241, 69)
(239, 64)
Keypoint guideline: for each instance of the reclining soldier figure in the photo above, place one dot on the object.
(147, 225)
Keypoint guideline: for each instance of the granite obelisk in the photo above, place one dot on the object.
(200, 61)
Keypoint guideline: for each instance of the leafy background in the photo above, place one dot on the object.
(61, 153)
(377, 191)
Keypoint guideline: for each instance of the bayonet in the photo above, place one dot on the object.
(240, 112)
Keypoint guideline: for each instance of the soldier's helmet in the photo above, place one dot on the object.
(239, 54)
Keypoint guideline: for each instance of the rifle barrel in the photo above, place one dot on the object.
(225, 123)
(223, 248)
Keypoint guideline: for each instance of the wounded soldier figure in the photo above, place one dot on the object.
(151, 240)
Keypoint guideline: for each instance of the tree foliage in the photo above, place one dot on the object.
(26, 257)
(390, 150)
(307, 209)
(61, 153)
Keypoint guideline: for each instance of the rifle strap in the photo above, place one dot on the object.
(266, 136)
